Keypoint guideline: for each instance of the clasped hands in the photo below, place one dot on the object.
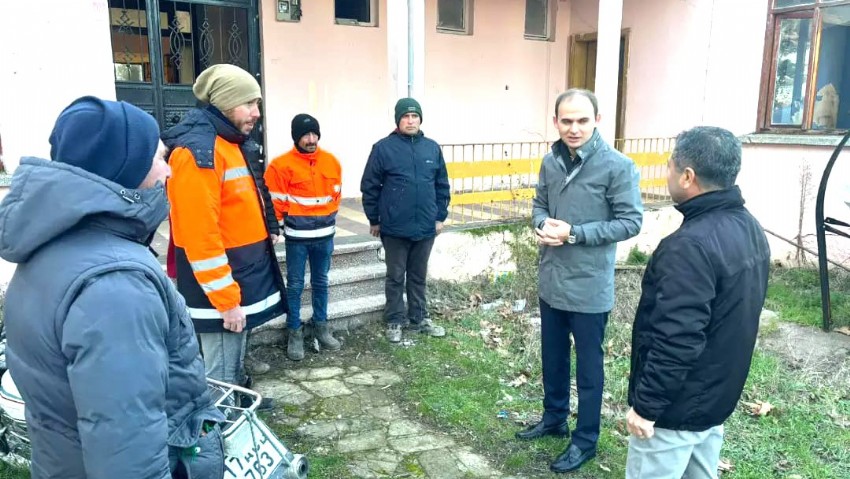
(553, 232)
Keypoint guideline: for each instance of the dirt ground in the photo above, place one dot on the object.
(822, 357)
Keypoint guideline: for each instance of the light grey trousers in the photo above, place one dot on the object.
(224, 356)
(675, 455)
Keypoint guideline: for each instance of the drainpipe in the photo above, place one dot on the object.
(410, 48)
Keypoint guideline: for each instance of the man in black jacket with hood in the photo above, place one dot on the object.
(697, 320)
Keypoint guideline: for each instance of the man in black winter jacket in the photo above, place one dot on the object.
(696, 324)
(406, 195)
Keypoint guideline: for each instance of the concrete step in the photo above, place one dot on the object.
(342, 315)
(345, 254)
(350, 282)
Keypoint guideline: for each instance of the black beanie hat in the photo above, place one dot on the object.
(112, 139)
(407, 105)
(303, 124)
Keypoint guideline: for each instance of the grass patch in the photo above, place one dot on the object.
(637, 257)
(800, 436)
(511, 227)
(482, 383)
(795, 292)
(9, 472)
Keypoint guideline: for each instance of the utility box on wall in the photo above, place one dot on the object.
(288, 10)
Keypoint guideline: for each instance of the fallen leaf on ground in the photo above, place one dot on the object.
(843, 330)
(783, 465)
(519, 381)
(604, 468)
(839, 420)
(759, 408)
(725, 465)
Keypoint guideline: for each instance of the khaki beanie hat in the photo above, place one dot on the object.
(226, 86)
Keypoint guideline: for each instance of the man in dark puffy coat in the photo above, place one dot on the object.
(698, 316)
(406, 197)
(99, 342)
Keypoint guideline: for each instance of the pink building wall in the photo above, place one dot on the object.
(690, 62)
(337, 73)
(494, 85)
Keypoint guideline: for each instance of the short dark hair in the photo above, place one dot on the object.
(578, 92)
(713, 153)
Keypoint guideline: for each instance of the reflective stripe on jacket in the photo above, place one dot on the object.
(223, 255)
(306, 189)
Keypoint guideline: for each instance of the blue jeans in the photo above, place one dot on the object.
(224, 355)
(319, 253)
(588, 330)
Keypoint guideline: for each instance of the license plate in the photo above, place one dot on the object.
(252, 452)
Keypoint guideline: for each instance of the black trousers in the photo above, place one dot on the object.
(588, 330)
(407, 268)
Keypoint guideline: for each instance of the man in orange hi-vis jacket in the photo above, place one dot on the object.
(305, 185)
(226, 266)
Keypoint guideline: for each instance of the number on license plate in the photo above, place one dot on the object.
(256, 462)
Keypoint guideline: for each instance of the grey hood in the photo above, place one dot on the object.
(47, 199)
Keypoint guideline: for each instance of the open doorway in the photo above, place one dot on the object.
(583, 70)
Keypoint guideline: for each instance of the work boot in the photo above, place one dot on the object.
(295, 345)
(323, 334)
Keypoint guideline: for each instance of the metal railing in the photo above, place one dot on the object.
(495, 181)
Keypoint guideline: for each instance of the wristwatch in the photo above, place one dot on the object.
(571, 237)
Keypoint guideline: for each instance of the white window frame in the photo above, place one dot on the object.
(466, 29)
(373, 15)
(549, 34)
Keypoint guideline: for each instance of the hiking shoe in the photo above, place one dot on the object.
(394, 333)
(427, 327)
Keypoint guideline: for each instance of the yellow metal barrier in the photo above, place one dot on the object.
(496, 181)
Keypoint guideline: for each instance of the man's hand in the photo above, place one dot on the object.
(546, 238)
(560, 229)
(639, 426)
(553, 232)
(375, 230)
(276, 239)
(439, 226)
(234, 319)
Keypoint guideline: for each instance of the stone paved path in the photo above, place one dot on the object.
(349, 410)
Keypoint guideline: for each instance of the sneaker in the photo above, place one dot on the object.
(394, 333)
(427, 327)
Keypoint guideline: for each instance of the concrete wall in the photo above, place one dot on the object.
(337, 73)
(494, 85)
(491, 86)
(690, 62)
(41, 72)
(770, 180)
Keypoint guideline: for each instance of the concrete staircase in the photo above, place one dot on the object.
(355, 292)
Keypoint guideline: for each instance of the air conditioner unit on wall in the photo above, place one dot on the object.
(288, 10)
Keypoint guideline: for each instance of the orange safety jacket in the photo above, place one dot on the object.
(306, 189)
(223, 253)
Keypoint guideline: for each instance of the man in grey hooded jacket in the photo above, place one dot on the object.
(100, 344)
(587, 199)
